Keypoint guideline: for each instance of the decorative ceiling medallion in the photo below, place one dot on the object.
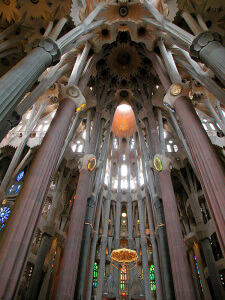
(8, 10)
(91, 164)
(158, 164)
(124, 61)
(175, 89)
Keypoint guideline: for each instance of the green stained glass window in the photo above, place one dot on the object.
(95, 275)
(152, 278)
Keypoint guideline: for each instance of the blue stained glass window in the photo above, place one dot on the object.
(20, 176)
(95, 275)
(18, 188)
(4, 214)
(152, 278)
(10, 190)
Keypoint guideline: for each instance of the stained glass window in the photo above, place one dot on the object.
(152, 278)
(20, 176)
(95, 275)
(18, 188)
(123, 279)
(11, 188)
(4, 214)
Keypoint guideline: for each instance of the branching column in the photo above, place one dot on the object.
(21, 226)
(68, 272)
(143, 238)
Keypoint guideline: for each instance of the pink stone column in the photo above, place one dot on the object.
(209, 167)
(70, 262)
(179, 263)
(22, 224)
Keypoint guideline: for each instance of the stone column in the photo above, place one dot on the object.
(117, 219)
(179, 264)
(54, 272)
(129, 214)
(210, 170)
(37, 272)
(143, 238)
(88, 130)
(158, 205)
(89, 216)
(195, 274)
(46, 281)
(16, 83)
(101, 268)
(204, 283)
(93, 249)
(68, 272)
(213, 272)
(21, 226)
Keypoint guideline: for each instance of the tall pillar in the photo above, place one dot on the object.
(93, 249)
(68, 272)
(117, 222)
(158, 205)
(46, 281)
(179, 263)
(145, 266)
(210, 171)
(37, 272)
(213, 272)
(22, 223)
(101, 268)
(129, 214)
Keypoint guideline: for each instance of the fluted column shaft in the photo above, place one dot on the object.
(93, 250)
(36, 275)
(68, 272)
(179, 264)
(21, 226)
(45, 284)
(209, 168)
(157, 202)
(15, 84)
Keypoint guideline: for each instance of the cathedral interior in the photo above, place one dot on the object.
(112, 149)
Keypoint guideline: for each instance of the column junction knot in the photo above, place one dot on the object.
(175, 91)
(87, 223)
(202, 40)
(160, 225)
(51, 46)
(72, 92)
(161, 162)
(88, 162)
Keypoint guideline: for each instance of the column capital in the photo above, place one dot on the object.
(202, 40)
(175, 91)
(72, 92)
(51, 47)
(88, 162)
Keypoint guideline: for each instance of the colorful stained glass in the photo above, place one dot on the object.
(152, 278)
(20, 176)
(18, 188)
(123, 279)
(4, 214)
(95, 275)
(11, 188)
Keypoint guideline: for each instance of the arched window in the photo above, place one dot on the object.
(95, 275)
(152, 278)
(20, 176)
